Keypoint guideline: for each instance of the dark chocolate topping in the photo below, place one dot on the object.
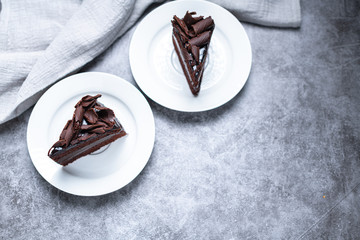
(89, 118)
(201, 39)
(203, 25)
(183, 26)
(195, 52)
(190, 20)
(191, 38)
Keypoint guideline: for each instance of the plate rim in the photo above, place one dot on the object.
(136, 70)
(139, 165)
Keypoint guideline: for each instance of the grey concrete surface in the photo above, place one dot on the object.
(279, 161)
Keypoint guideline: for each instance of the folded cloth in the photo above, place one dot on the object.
(275, 13)
(44, 41)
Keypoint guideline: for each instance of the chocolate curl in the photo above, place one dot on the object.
(65, 136)
(203, 25)
(187, 56)
(201, 39)
(89, 128)
(91, 116)
(106, 115)
(63, 133)
(78, 117)
(195, 52)
(190, 20)
(69, 134)
(88, 101)
(183, 26)
(179, 31)
(99, 127)
(85, 103)
(98, 130)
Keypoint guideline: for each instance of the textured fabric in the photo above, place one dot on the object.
(276, 13)
(42, 41)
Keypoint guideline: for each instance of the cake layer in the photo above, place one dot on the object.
(86, 147)
(188, 71)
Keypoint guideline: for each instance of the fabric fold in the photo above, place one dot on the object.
(56, 38)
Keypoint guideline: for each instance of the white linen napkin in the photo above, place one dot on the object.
(43, 41)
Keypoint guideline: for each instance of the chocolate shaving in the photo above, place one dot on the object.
(98, 119)
(201, 39)
(203, 25)
(90, 116)
(89, 128)
(62, 135)
(182, 25)
(195, 52)
(183, 36)
(98, 130)
(69, 134)
(190, 20)
(88, 101)
(187, 55)
(106, 115)
(78, 117)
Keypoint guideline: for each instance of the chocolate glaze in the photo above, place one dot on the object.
(91, 122)
(192, 35)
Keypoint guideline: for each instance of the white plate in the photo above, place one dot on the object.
(114, 167)
(157, 70)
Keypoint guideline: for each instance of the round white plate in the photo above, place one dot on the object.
(110, 168)
(157, 70)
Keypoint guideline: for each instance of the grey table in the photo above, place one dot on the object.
(279, 161)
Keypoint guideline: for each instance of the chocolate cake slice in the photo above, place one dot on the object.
(92, 126)
(191, 38)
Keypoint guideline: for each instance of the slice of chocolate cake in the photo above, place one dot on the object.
(191, 38)
(92, 126)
